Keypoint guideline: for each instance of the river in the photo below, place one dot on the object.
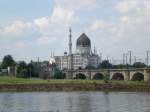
(75, 102)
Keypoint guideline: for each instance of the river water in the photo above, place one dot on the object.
(75, 102)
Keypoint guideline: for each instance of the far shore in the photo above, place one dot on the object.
(12, 84)
(73, 87)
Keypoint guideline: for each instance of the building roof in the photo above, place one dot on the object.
(83, 40)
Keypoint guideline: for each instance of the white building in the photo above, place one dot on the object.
(81, 58)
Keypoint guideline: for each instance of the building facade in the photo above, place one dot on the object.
(81, 58)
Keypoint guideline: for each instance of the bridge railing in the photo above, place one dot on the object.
(92, 70)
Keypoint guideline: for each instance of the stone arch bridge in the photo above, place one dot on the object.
(114, 74)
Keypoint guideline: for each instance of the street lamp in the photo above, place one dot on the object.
(147, 57)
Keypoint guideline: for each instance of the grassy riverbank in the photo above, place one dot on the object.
(14, 80)
(20, 84)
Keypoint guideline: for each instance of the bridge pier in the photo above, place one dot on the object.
(127, 75)
(146, 75)
(69, 75)
(88, 75)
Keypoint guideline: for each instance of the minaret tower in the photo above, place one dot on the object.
(94, 50)
(70, 50)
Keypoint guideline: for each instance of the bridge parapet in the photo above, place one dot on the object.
(127, 74)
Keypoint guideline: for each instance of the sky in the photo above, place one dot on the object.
(34, 28)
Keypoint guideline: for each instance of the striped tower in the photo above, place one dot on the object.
(70, 54)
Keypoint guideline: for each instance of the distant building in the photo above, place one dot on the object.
(81, 58)
(4, 72)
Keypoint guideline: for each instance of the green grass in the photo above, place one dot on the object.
(14, 80)
(84, 85)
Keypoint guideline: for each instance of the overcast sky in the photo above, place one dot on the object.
(33, 28)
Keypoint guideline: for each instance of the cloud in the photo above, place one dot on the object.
(76, 4)
(126, 26)
(16, 29)
(125, 19)
(20, 45)
(98, 24)
(62, 16)
(128, 30)
(43, 33)
(126, 6)
(46, 40)
(42, 22)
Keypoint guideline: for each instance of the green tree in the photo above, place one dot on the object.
(22, 70)
(80, 76)
(90, 67)
(58, 74)
(139, 65)
(7, 61)
(0, 66)
(106, 77)
(119, 66)
(105, 65)
(33, 69)
(23, 73)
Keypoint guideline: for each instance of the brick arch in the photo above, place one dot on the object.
(117, 76)
(98, 76)
(80, 76)
(138, 76)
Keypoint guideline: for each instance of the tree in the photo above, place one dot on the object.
(80, 76)
(139, 65)
(90, 67)
(59, 74)
(23, 73)
(22, 70)
(119, 66)
(7, 61)
(106, 77)
(105, 65)
(33, 69)
(0, 66)
(26, 70)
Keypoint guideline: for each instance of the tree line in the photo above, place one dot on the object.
(31, 69)
(105, 64)
(24, 70)
(27, 70)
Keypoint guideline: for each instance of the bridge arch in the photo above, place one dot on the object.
(98, 76)
(137, 77)
(118, 76)
(80, 76)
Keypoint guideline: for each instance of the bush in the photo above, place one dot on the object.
(23, 73)
(59, 74)
(106, 77)
(139, 65)
(105, 65)
(80, 76)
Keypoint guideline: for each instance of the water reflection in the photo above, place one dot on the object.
(107, 101)
(75, 102)
(83, 103)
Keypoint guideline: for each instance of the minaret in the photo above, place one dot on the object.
(94, 50)
(70, 50)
